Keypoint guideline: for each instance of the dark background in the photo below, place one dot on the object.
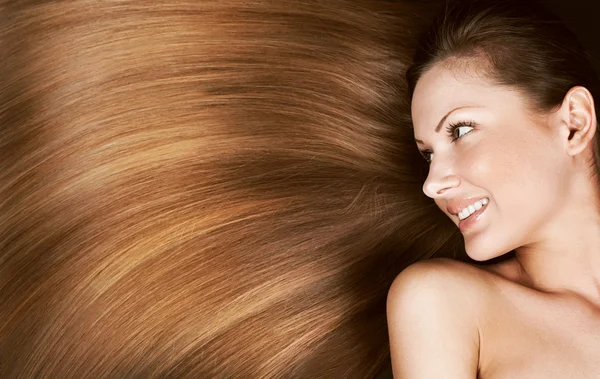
(582, 18)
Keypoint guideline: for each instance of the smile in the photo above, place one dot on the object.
(470, 216)
(471, 209)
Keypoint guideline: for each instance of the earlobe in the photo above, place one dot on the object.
(581, 119)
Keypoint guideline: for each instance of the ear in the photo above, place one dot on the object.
(578, 117)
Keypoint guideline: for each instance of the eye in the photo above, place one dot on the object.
(455, 131)
(462, 127)
(427, 155)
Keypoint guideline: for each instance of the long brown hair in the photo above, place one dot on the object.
(205, 189)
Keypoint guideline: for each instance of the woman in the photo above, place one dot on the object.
(504, 111)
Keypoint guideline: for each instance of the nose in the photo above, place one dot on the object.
(436, 185)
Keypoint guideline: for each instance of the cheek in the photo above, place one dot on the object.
(515, 175)
(487, 167)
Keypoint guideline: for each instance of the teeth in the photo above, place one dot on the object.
(466, 212)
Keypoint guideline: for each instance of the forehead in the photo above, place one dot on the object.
(442, 89)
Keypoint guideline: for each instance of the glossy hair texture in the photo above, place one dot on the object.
(205, 189)
(519, 44)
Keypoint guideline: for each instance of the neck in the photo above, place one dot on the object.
(566, 256)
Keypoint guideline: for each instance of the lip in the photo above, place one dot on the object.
(470, 222)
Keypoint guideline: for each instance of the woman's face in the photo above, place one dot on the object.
(487, 145)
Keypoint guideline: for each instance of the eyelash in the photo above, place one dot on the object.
(450, 131)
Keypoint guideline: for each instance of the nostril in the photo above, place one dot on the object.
(436, 187)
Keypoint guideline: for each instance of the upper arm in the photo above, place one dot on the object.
(432, 321)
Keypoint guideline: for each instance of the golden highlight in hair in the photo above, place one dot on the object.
(205, 189)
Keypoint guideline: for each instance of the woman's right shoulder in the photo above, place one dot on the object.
(434, 309)
(442, 274)
(443, 283)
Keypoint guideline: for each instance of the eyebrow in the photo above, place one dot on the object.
(438, 127)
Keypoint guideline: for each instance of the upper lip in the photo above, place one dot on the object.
(456, 205)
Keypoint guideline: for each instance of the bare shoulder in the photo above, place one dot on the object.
(453, 278)
(437, 283)
(434, 309)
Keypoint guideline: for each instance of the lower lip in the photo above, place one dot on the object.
(472, 220)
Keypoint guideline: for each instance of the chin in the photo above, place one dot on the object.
(481, 253)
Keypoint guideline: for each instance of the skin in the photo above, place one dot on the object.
(516, 319)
